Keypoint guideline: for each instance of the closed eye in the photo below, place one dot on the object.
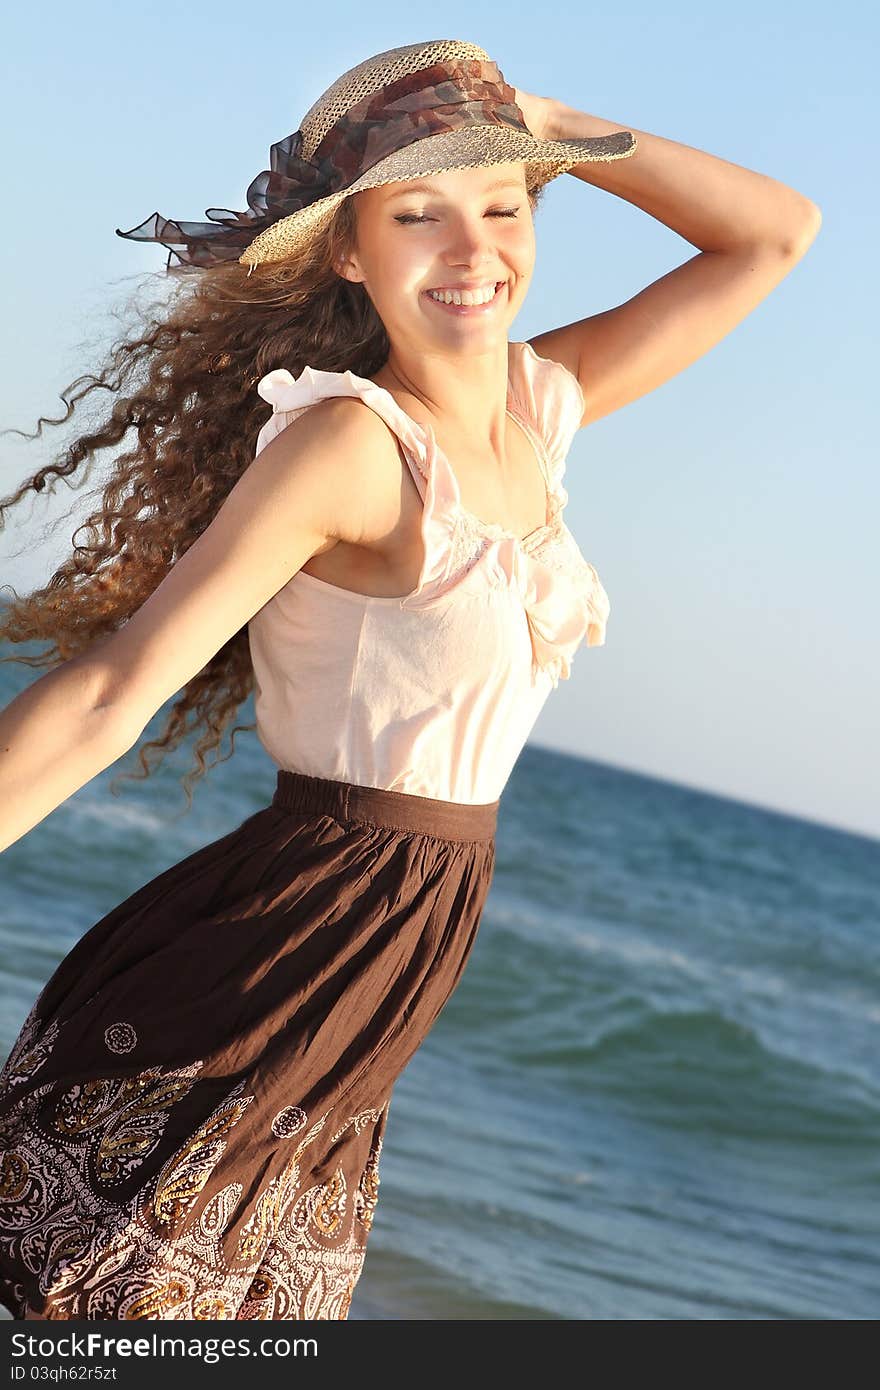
(407, 217)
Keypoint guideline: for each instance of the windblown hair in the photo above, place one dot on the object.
(185, 382)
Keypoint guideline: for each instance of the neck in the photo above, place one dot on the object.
(463, 397)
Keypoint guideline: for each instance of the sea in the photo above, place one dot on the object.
(655, 1092)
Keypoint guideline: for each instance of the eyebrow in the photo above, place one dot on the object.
(418, 186)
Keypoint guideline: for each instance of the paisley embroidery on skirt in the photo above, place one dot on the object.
(131, 1113)
(65, 1149)
(300, 1276)
(33, 1046)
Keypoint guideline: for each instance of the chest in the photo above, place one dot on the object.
(511, 497)
(508, 494)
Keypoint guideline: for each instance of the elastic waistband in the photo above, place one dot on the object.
(346, 801)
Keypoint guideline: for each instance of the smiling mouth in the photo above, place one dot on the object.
(464, 308)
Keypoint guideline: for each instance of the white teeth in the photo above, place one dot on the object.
(478, 296)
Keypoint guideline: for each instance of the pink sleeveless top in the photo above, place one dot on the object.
(433, 693)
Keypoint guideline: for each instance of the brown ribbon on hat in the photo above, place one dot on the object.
(443, 97)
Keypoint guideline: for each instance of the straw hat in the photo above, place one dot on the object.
(403, 114)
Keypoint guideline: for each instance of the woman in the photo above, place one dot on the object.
(192, 1116)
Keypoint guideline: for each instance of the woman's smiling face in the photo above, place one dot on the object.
(466, 228)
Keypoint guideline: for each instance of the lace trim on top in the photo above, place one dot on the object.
(551, 543)
(473, 535)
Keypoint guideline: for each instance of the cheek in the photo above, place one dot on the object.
(401, 266)
(407, 276)
(524, 242)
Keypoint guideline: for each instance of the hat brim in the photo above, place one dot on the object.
(469, 147)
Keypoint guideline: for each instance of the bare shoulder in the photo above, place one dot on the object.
(333, 474)
(348, 458)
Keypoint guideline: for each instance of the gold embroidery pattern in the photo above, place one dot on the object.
(13, 1176)
(262, 1224)
(367, 1194)
(301, 1276)
(33, 1045)
(131, 1113)
(294, 1249)
(330, 1206)
(260, 1229)
(187, 1171)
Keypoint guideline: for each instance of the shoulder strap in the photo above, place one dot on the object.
(410, 437)
(289, 396)
(550, 399)
(427, 463)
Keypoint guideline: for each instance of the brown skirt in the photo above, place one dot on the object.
(192, 1115)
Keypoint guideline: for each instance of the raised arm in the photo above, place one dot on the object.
(750, 229)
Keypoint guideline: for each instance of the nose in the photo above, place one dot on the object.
(469, 243)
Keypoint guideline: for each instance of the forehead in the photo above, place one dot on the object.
(453, 182)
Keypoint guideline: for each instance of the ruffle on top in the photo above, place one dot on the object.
(289, 396)
(561, 593)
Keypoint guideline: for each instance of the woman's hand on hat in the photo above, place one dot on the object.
(538, 113)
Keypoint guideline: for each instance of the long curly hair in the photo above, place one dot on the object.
(184, 380)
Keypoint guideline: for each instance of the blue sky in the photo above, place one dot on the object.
(731, 514)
